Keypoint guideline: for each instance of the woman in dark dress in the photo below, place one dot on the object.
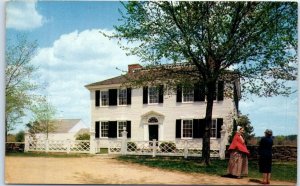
(265, 156)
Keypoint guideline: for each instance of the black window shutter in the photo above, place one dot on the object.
(179, 93)
(112, 96)
(219, 125)
(128, 129)
(178, 128)
(97, 123)
(145, 95)
(197, 92)
(196, 128)
(161, 94)
(202, 127)
(112, 129)
(128, 96)
(97, 98)
(220, 90)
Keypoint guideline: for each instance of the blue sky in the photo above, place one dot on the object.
(72, 53)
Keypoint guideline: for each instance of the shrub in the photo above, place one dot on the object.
(167, 146)
(84, 136)
(20, 136)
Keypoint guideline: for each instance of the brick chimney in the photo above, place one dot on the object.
(133, 67)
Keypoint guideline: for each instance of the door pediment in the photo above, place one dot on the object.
(152, 117)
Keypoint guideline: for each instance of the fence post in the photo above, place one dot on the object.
(223, 143)
(47, 145)
(185, 148)
(93, 144)
(27, 142)
(154, 149)
(68, 146)
(124, 141)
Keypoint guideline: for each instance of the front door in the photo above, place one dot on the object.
(153, 132)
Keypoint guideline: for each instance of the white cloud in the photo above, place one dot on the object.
(277, 113)
(22, 15)
(75, 60)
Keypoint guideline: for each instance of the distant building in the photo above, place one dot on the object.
(66, 129)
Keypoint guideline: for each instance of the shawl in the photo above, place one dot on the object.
(237, 144)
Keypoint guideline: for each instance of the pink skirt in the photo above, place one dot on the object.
(238, 164)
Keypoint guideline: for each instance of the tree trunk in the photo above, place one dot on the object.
(211, 87)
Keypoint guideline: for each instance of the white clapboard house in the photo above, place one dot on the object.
(148, 114)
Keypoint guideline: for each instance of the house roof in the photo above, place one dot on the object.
(157, 73)
(115, 80)
(65, 125)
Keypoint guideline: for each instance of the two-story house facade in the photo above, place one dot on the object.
(149, 113)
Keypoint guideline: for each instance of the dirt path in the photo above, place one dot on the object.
(102, 170)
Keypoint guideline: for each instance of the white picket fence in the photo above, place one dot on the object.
(68, 146)
(185, 148)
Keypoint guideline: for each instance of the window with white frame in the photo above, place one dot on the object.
(187, 129)
(122, 96)
(213, 129)
(104, 98)
(104, 129)
(153, 95)
(188, 94)
(121, 125)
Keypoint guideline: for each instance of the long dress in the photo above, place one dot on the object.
(238, 162)
(265, 155)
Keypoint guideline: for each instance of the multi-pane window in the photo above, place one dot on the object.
(122, 96)
(187, 128)
(104, 98)
(153, 94)
(104, 129)
(121, 125)
(213, 130)
(188, 94)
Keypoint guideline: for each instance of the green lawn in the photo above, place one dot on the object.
(281, 171)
